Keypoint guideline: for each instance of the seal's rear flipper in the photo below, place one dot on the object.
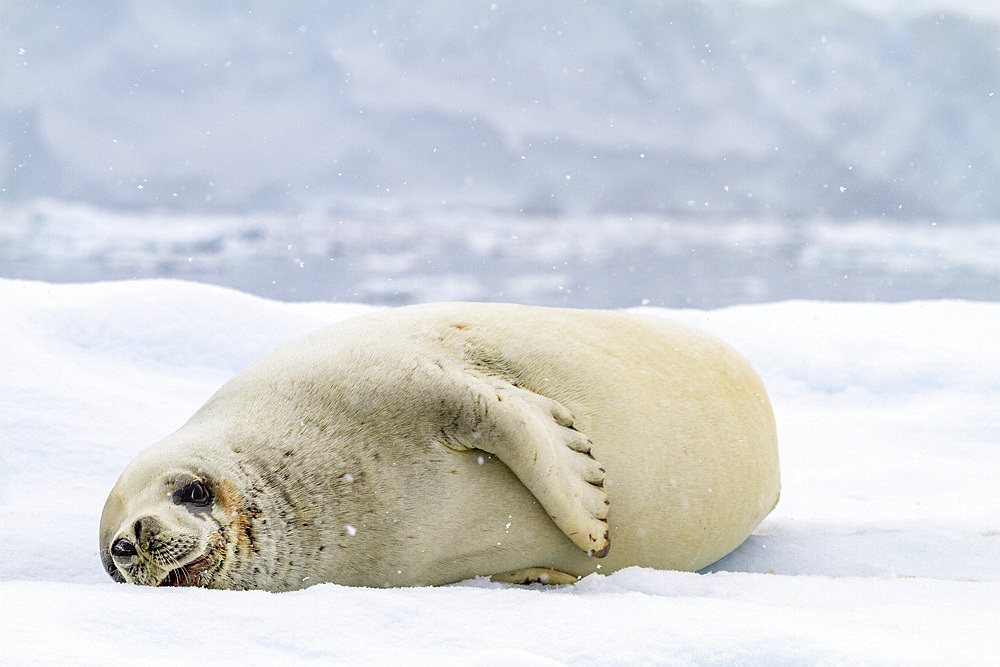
(534, 436)
(535, 575)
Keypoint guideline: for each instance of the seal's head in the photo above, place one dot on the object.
(173, 521)
(163, 527)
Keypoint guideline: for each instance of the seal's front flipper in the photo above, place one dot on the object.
(535, 575)
(534, 436)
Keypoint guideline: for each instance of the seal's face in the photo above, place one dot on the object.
(165, 530)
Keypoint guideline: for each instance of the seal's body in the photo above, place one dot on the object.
(430, 444)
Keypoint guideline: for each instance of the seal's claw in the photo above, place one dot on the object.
(603, 551)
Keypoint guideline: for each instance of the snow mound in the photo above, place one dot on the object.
(885, 547)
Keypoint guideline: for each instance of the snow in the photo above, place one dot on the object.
(813, 181)
(884, 549)
(818, 108)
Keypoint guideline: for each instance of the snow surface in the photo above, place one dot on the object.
(814, 108)
(696, 154)
(884, 549)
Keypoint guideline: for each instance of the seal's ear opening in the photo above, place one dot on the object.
(110, 567)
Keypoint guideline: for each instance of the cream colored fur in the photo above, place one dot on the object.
(430, 444)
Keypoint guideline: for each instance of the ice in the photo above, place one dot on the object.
(885, 547)
(590, 261)
(184, 186)
(807, 109)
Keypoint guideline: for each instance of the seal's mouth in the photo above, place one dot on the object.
(186, 575)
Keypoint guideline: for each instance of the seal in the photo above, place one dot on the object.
(430, 444)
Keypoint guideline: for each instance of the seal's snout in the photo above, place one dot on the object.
(121, 553)
(108, 561)
(125, 549)
(146, 531)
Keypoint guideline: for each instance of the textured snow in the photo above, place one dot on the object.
(885, 547)
(813, 181)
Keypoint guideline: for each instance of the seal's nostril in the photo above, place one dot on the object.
(122, 548)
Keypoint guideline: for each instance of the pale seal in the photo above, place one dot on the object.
(430, 444)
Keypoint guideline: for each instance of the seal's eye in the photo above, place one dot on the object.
(194, 493)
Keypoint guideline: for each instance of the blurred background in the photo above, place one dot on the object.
(591, 154)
